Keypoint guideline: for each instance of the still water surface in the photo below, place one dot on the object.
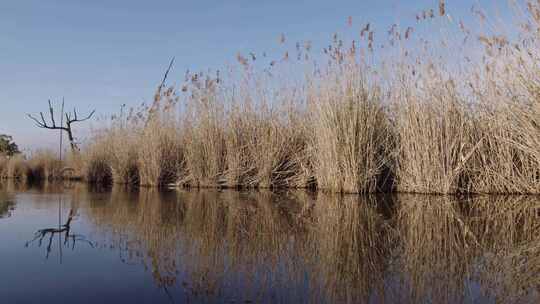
(71, 244)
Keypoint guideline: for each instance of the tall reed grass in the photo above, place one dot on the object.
(45, 165)
(357, 121)
(434, 128)
(352, 135)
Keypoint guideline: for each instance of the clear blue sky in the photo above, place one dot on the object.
(104, 53)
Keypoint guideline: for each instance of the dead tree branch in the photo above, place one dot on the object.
(71, 118)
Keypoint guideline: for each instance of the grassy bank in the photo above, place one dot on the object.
(357, 121)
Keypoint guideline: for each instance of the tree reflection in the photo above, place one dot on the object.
(64, 230)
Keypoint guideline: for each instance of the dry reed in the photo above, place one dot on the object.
(427, 128)
(45, 165)
(434, 136)
(159, 149)
(351, 133)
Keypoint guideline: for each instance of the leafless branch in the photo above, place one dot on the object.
(71, 119)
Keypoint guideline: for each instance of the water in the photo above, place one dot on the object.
(262, 247)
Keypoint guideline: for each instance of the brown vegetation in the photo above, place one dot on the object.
(359, 123)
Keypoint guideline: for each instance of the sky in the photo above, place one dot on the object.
(101, 54)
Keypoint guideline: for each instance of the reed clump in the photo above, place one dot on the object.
(352, 136)
(266, 142)
(123, 157)
(434, 130)
(44, 165)
(508, 119)
(203, 135)
(96, 166)
(159, 148)
(16, 167)
(139, 146)
(117, 145)
(247, 138)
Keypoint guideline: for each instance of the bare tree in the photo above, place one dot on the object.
(71, 118)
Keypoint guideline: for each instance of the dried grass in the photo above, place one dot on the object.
(362, 125)
(44, 165)
(434, 137)
(159, 150)
(351, 137)
(17, 168)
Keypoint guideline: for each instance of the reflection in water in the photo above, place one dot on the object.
(275, 247)
(338, 248)
(435, 249)
(69, 239)
(262, 247)
(508, 230)
(7, 200)
(7, 205)
(448, 245)
(350, 247)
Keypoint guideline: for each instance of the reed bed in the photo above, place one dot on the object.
(204, 140)
(347, 127)
(355, 121)
(41, 165)
(115, 148)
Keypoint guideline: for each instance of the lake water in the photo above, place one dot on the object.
(71, 244)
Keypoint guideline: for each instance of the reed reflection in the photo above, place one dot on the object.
(352, 243)
(435, 251)
(448, 244)
(297, 247)
(508, 232)
(7, 204)
(271, 245)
